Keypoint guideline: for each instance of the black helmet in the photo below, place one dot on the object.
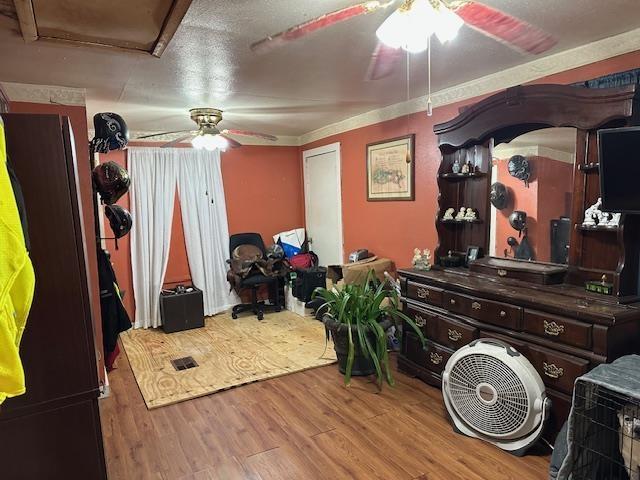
(499, 195)
(518, 220)
(275, 251)
(512, 242)
(119, 220)
(111, 132)
(111, 180)
(519, 167)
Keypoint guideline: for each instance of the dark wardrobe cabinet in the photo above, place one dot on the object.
(53, 431)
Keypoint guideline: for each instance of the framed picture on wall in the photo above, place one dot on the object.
(391, 169)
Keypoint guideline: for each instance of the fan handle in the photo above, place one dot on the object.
(512, 352)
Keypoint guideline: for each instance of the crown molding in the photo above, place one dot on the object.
(25, 92)
(559, 62)
(282, 141)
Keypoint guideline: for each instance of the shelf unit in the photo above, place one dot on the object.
(460, 222)
(461, 176)
(589, 167)
(597, 228)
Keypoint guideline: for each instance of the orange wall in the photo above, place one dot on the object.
(263, 193)
(394, 229)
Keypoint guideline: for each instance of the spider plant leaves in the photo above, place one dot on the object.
(359, 309)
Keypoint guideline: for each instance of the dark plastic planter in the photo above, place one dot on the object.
(362, 366)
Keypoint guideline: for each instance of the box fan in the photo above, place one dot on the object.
(492, 392)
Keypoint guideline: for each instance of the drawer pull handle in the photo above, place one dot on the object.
(422, 292)
(553, 329)
(552, 371)
(454, 335)
(452, 301)
(435, 358)
(502, 273)
(420, 322)
(503, 314)
(476, 306)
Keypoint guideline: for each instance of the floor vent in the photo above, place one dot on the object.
(184, 363)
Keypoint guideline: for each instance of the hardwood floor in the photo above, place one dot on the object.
(302, 426)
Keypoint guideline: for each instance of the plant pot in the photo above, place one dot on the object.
(362, 365)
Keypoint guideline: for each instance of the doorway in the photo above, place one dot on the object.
(323, 202)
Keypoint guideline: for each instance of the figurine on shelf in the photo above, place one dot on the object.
(591, 214)
(460, 215)
(466, 168)
(455, 168)
(615, 220)
(421, 260)
(448, 214)
(604, 218)
(470, 215)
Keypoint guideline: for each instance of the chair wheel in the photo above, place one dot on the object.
(234, 315)
(260, 315)
(278, 309)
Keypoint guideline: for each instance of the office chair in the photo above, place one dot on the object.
(254, 282)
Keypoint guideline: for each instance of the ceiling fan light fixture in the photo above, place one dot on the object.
(448, 24)
(411, 25)
(210, 142)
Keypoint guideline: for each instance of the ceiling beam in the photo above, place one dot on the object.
(27, 19)
(171, 24)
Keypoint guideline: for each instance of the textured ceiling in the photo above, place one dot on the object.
(298, 88)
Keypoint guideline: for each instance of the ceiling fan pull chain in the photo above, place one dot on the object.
(429, 103)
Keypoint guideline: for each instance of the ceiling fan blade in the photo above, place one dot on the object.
(318, 23)
(232, 143)
(175, 142)
(383, 62)
(512, 31)
(160, 134)
(247, 133)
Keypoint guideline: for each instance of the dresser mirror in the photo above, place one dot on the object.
(531, 196)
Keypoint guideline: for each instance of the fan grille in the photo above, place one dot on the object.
(509, 407)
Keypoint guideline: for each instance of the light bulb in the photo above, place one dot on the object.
(210, 142)
(447, 25)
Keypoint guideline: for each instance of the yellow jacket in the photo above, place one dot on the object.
(17, 282)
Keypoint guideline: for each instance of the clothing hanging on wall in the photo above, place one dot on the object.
(17, 283)
(115, 319)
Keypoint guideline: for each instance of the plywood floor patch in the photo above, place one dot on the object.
(228, 353)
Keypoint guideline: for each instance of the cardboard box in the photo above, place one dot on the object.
(357, 272)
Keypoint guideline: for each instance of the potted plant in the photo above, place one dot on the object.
(358, 316)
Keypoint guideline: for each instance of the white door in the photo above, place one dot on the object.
(323, 202)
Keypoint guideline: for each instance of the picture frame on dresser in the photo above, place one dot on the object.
(391, 169)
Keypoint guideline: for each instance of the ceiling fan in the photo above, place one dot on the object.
(411, 25)
(208, 135)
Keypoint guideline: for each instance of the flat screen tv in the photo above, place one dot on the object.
(619, 157)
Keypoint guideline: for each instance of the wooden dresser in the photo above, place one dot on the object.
(562, 330)
(541, 309)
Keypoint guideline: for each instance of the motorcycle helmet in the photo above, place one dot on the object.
(111, 133)
(518, 220)
(119, 220)
(499, 196)
(519, 168)
(276, 252)
(111, 180)
(512, 242)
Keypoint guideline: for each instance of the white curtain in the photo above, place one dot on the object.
(206, 231)
(154, 173)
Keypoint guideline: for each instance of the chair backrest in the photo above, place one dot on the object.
(238, 239)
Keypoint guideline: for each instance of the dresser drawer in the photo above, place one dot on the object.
(561, 329)
(496, 313)
(424, 293)
(436, 357)
(421, 317)
(520, 345)
(450, 333)
(558, 370)
(412, 349)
